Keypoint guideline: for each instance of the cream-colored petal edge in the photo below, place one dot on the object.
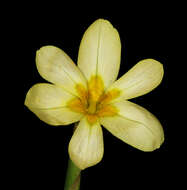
(141, 79)
(86, 146)
(45, 95)
(48, 102)
(100, 52)
(56, 66)
(135, 125)
(57, 116)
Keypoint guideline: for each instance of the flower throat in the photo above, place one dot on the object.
(94, 102)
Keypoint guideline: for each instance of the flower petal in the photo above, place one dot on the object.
(49, 103)
(141, 79)
(86, 145)
(135, 126)
(100, 52)
(44, 95)
(57, 67)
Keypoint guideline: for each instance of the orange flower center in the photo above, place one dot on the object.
(94, 102)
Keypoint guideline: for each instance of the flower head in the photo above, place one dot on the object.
(90, 93)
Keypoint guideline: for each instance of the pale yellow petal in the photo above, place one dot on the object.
(44, 95)
(86, 145)
(57, 67)
(100, 52)
(57, 116)
(135, 125)
(141, 79)
(49, 103)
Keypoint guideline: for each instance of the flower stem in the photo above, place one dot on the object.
(72, 177)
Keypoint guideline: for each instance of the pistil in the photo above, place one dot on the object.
(92, 107)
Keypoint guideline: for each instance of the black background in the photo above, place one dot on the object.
(144, 33)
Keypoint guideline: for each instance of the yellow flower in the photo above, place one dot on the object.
(89, 94)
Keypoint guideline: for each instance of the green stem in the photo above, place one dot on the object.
(72, 177)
